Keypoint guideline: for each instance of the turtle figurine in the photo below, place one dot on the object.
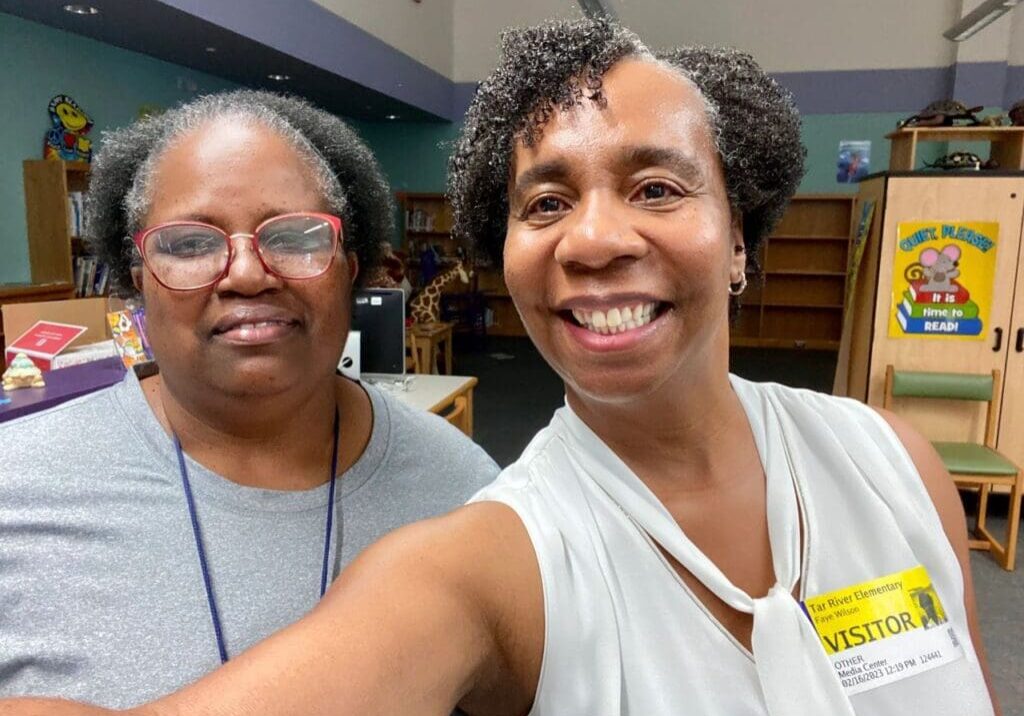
(1017, 113)
(943, 113)
(22, 373)
(962, 160)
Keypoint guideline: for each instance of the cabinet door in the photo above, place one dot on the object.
(953, 199)
(1011, 422)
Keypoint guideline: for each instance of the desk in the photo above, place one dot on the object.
(62, 385)
(428, 337)
(450, 396)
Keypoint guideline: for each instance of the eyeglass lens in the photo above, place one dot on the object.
(188, 255)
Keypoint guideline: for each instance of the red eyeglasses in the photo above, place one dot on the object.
(189, 255)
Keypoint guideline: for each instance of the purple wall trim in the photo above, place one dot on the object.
(858, 91)
(461, 98)
(1014, 85)
(866, 91)
(980, 83)
(310, 33)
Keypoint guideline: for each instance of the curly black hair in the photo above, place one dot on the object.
(556, 66)
(346, 170)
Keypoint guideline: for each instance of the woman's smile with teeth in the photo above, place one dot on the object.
(616, 320)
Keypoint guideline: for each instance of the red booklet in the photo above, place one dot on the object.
(43, 341)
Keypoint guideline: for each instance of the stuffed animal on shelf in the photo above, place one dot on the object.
(425, 308)
(22, 373)
(66, 139)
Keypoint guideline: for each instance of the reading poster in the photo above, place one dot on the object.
(942, 279)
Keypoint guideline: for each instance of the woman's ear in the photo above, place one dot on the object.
(137, 273)
(353, 266)
(739, 250)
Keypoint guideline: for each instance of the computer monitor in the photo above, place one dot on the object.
(379, 315)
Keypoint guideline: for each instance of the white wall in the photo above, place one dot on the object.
(801, 35)
(478, 26)
(784, 35)
(1015, 55)
(991, 44)
(422, 30)
(459, 38)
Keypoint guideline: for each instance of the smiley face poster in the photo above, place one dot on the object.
(942, 279)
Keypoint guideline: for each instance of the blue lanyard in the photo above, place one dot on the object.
(214, 614)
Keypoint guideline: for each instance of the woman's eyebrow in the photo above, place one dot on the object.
(554, 170)
(683, 164)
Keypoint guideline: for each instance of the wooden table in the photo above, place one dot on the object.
(450, 396)
(428, 337)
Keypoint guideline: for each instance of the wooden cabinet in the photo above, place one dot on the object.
(798, 302)
(870, 341)
(48, 185)
(505, 319)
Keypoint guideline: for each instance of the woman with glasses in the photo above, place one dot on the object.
(678, 540)
(152, 531)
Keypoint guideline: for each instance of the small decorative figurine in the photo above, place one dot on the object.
(425, 308)
(944, 113)
(1017, 113)
(22, 373)
(962, 160)
(66, 139)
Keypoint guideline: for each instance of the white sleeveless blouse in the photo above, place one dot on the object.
(624, 635)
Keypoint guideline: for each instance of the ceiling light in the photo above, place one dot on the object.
(81, 9)
(211, 48)
(391, 116)
(981, 17)
(278, 78)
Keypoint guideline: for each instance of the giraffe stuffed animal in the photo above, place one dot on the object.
(425, 308)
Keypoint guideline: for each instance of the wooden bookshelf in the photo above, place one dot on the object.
(798, 300)
(426, 221)
(47, 186)
(1006, 144)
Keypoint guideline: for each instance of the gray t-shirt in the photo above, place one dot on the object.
(101, 593)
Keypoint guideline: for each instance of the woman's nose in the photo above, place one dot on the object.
(599, 233)
(246, 272)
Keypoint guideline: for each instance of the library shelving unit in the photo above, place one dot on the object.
(426, 221)
(51, 245)
(798, 303)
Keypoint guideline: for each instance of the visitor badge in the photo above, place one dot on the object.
(884, 630)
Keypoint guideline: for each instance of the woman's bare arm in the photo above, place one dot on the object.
(417, 624)
(943, 492)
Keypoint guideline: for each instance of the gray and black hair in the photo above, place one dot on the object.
(557, 66)
(345, 170)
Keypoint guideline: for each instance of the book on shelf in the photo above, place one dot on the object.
(92, 276)
(76, 213)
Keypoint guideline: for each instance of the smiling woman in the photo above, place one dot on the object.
(677, 540)
(151, 531)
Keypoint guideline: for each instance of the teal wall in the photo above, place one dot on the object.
(109, 83)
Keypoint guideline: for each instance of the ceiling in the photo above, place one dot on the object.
(167, 33)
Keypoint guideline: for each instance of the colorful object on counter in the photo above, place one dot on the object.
(22, 373)
(66, 139)
(127, 338)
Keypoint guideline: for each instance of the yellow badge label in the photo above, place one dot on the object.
(884, 630)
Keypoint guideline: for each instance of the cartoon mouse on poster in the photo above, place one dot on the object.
(940, 268)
